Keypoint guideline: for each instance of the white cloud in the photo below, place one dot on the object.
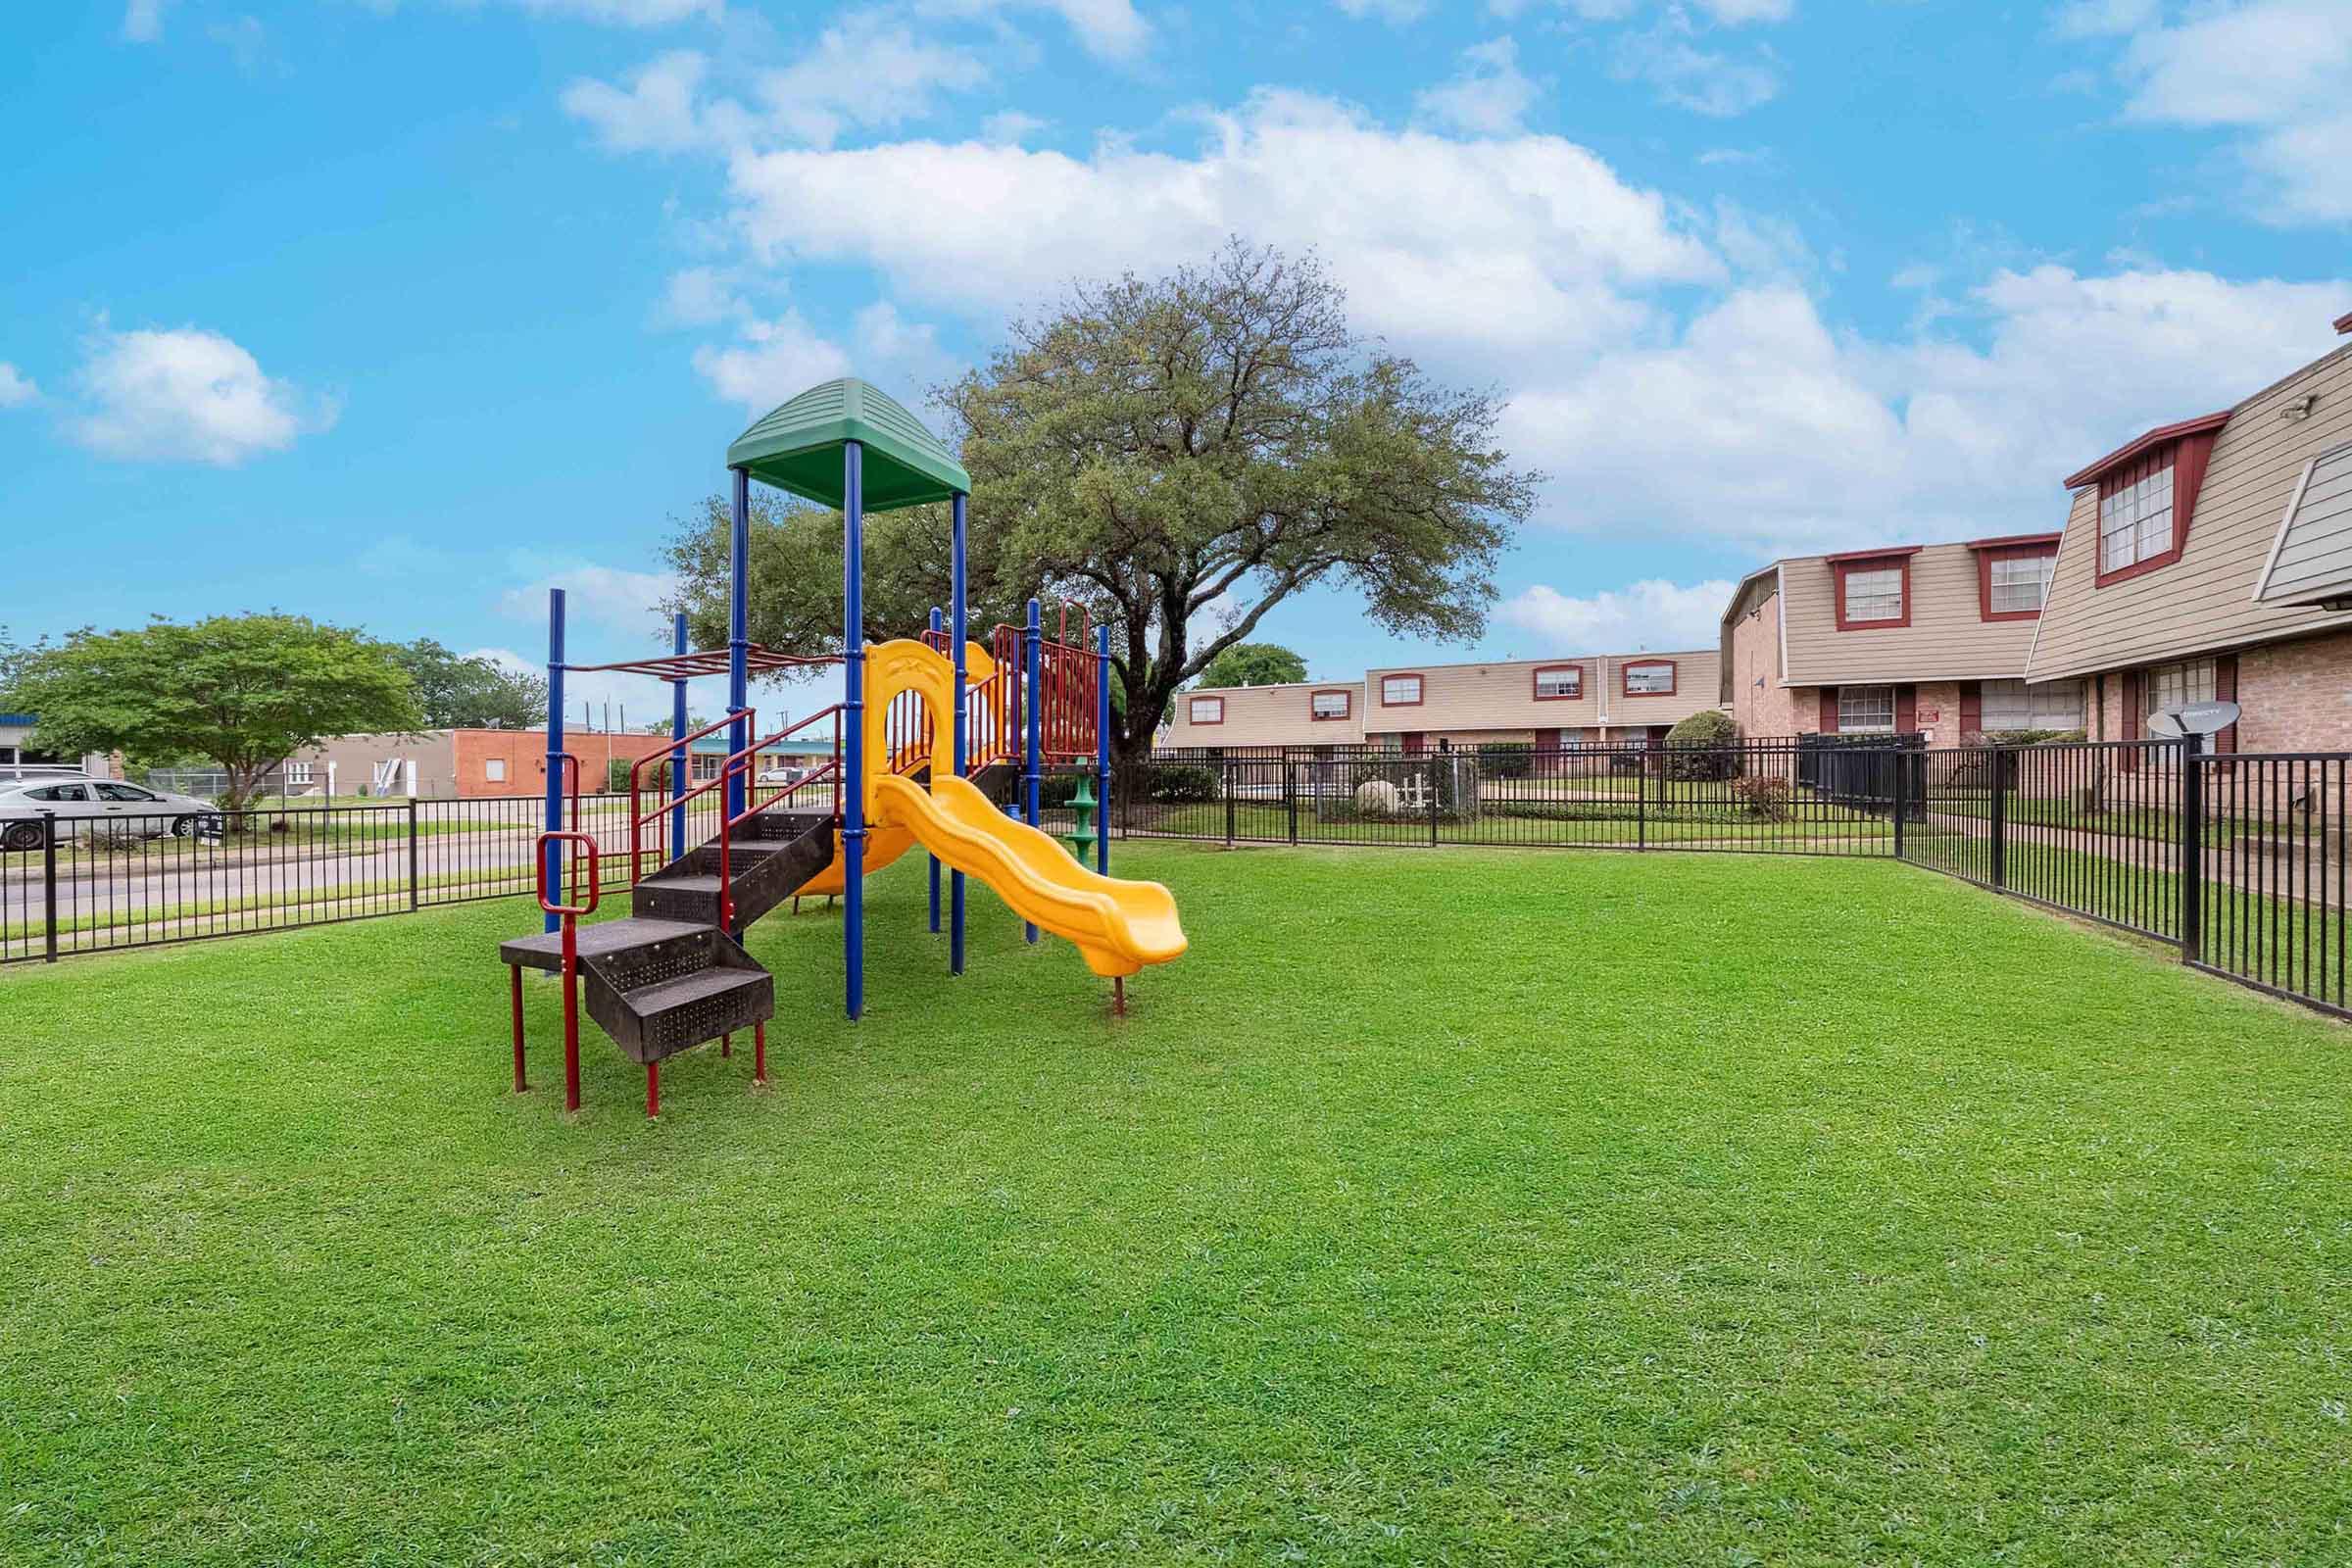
(657, 112)
(2279, 70)
(604, 598)
(187, 394)
(143, 20)
(627, 13)
(1490, 96)
(1731, 13)
(16, 387)
(864, 70)
(784, 356)
(1009, 128)
(1395, 12)
(1650, 615)
(2104, 18)
(698, 296)
(1487, 249)
(1669, 60)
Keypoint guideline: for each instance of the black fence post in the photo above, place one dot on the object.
(49, 880)
(1641, 805)
(413, 854)
(1290, 794)
(1999, 868)
(1231, 784)
(1435, 760)
(1902, 797)
(2192, 850)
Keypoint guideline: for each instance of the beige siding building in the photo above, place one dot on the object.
(1328, 712)
(1581, 699)
(1900, 639)
(2168, 587)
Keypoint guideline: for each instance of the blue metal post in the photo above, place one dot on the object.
(1032, 660)
(739, 549)
(678, 770)
(852, 718)
(555, 747)
(1102, 749)
(958, 615)
(938, 624)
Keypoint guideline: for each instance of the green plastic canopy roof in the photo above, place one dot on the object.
(797, 446)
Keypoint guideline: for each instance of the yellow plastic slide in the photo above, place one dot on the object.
(1118, 927)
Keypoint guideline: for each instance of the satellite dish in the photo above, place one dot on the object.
(2164, 726)
(2198, 718)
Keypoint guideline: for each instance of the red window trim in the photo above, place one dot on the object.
(1421, 691)
(1204, 723)
(1534, 683)
(1343, 716)
(1624, 670)
(1872, 560)
(1989, 551)
(2187, 457)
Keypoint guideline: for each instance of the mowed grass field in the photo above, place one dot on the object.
(1474, 1207)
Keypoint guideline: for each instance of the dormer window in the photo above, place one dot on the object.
(1874, 588)
(1206, 710)
(2013, 575)
(2147, 495)
(1400, 691)
(1648, 678)
(1336, 704)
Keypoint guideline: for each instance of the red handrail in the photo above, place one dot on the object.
(569, 914)
(744, 760)
(679, 794)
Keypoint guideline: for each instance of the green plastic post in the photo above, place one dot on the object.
(1081, 836)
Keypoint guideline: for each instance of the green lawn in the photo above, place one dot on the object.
(1476, 1207)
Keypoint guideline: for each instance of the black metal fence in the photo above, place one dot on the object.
(2238, 860)
(97, 884)
(1770, 796)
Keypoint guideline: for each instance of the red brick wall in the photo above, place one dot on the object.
(2297, 696)
(1768, 710)
(524, 752)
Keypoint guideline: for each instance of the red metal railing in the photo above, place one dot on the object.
(569, 914)
(747, 763)
(675, 794)
(1069, 683)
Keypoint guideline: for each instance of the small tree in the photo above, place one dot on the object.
(1254, 664)
(455, 691)
(1703, 746)
(246, 692)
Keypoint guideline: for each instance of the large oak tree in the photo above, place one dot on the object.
(1181, 455)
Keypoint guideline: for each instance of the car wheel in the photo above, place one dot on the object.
(21, 836)
(183, 826)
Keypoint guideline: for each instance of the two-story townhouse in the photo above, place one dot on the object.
(2211, 558)
(1583, 700)
(1897, 638)
(1326, 712)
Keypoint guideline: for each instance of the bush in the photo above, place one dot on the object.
(616, 775)
(1702, 747)
(1764, 795)
(1506, 758)
(1180, 784)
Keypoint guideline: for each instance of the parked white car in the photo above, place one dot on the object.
(77, 801)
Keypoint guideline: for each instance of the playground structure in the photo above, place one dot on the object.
(673, 973)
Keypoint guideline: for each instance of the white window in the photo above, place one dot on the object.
(1564, 681)
(2021, 583)
(2174, 685)
(494, 768)
(1331, 704)
(1649, 680)
(1862, 708)
(1206, 710)
(703, 766)
(1401, 690)
(1875, 595)
(2135, 516)
(2013, 704)
(298, 772)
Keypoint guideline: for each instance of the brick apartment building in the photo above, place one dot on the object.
(1583, 700)
(2211, 558)
(1900, 639)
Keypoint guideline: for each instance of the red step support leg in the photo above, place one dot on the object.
(653, 1088)
(515, 988)
(759, 1051)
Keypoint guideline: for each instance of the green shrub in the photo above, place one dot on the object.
(1506, 758)
(1765, 795)
(1180, 784)
(1703, 747)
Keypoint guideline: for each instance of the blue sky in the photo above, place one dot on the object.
(395, 314)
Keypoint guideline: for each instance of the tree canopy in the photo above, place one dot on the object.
(1179, 454)
(457, 691)
(1254, 664)
(245, 691)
